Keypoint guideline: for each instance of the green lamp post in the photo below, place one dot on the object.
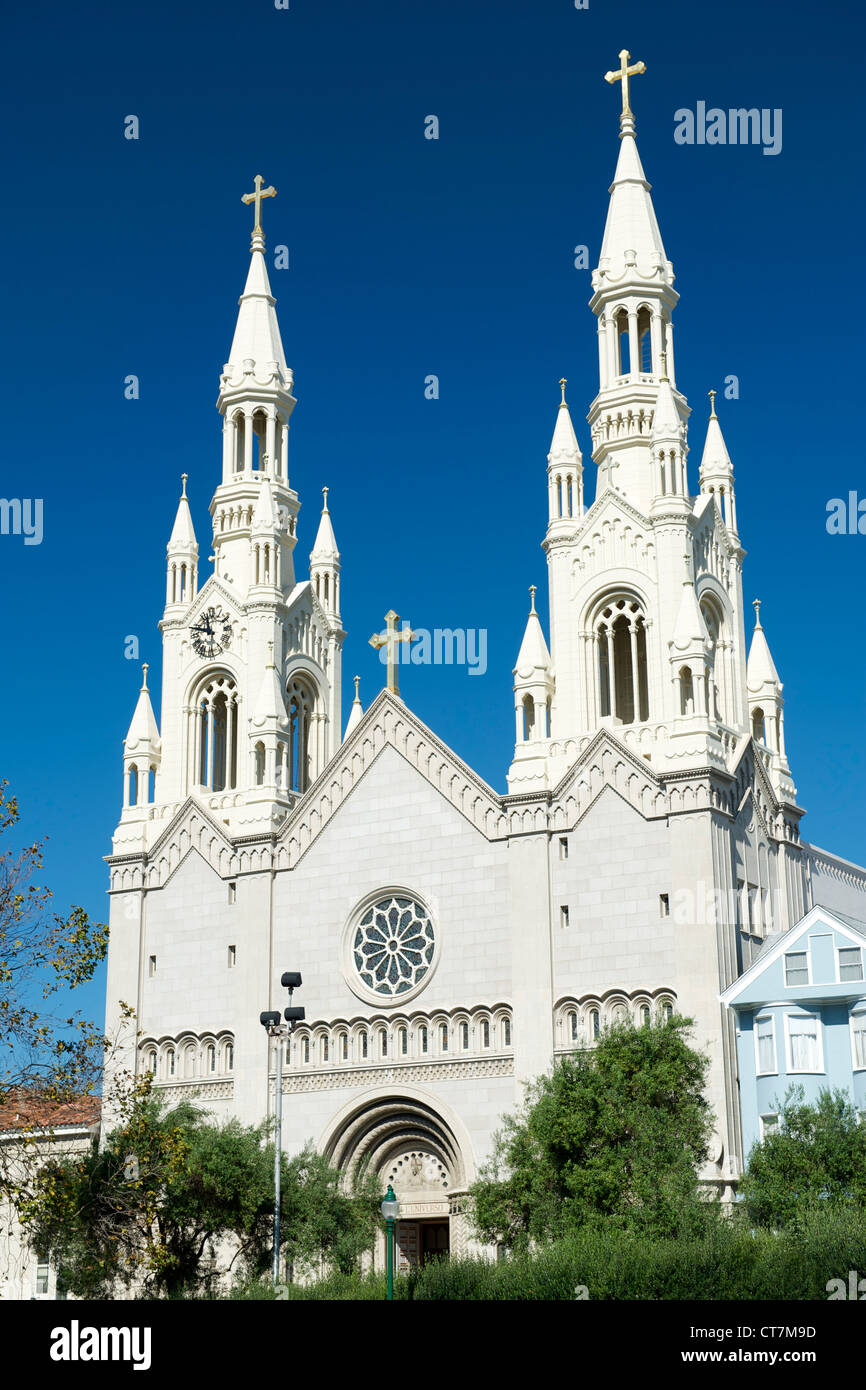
(390, 1211)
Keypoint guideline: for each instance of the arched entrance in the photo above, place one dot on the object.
(409, 1143)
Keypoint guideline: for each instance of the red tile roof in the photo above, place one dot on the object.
(22, 1109)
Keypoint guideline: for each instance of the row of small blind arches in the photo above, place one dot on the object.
(619, 1014)
(402, 1048)
(189, 1054)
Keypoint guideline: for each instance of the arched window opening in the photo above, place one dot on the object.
(594, 1024)
(150, 1063)
(229, 1057)
(324, 1050)
(383, 1042)
(260, 427)
(132, 786)
(211, 1059)
(443, 1037)
(687, 691)
(619, 1015)
(169, 1062)
(485, 1033)
(572, 1025)
(306, 1052)
(344, 1047)
(559, 497)
(240, 441)
(217, 735)
(363, 1041)
(623, 356)
(645, 1015)
(759, 731)
(189, 1060)
(301, 704)
(151, 785)
(423, 1039)
(506, 1032)
(259, 764)
(528, 718)
(644, 340)
(327, 600)
(278, 447)
(404, 1042)
(622, 661)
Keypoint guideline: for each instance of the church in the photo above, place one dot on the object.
(454, 940)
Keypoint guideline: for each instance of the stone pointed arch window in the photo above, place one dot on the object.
(623, 356)
(644, 339)
(621, 643)
(687, 691)
(215, 734)
(759, 729)
(303, 703)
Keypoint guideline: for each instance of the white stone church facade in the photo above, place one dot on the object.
(453, 940)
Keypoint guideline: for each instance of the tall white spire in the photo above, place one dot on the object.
(182, 555)
(325, 564)
(256, 401)
(564, 470)
(717, 471)
(633, 300)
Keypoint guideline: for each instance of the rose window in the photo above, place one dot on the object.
(393, 946)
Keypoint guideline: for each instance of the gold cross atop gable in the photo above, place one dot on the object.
(622, 75)
(391, 638)
(256, 198)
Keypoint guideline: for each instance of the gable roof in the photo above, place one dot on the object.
(780, 942)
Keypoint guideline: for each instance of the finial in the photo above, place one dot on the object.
(563, 382)
(532, 593)
(664, 358)
(357, 680)
(712, 396)
(183, 478)
(622, 74)
(144, 670)
(270, 665)
(258, 238)
(756, 604)
(325, 491)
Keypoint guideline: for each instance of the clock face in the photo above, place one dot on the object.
(212, 633)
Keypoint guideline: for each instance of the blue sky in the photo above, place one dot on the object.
(408, 257)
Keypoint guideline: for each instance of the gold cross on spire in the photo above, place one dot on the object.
(391, 638)
(269, 192)
(622, 74)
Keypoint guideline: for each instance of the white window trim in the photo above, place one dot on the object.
(857, 1013)
(763, 1018)
(819, 1034)
(771, 1128)
(808, 954)
(850, 946)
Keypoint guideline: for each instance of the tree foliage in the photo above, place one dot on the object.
(816, 1158)
(46, 1056)
(613, 1137)
(173, 1200)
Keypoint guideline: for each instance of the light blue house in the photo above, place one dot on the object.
(801, 1018)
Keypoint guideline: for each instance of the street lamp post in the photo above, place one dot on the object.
(390, 1210)
(270, 1021)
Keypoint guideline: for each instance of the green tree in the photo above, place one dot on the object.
(47, 1056)
(173, 1200)
(613, 1137)
(815, 1159)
